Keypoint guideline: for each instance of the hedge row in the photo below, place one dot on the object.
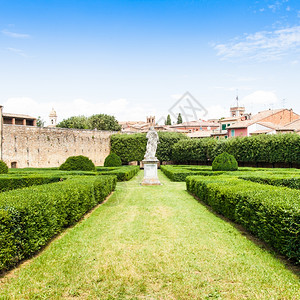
(276, 180)
(180, 173)
(132, 147)
(30, 217)
(8, 182)
(279, 148)
(123, 173)
(201, 150)
(271, 213)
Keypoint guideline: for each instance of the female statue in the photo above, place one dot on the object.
(153, 140)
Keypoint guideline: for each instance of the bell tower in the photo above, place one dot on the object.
(53, 118)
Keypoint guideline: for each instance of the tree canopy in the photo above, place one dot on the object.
(168, 121)
(99, 121)
(179, 119)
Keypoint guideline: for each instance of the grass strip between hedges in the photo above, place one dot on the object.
(155, 242)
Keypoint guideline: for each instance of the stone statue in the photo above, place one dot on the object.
(153, 140)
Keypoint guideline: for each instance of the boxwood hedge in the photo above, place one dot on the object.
(180, 173)
(31, 216)
(123, 173)
(11, 182)
(271, 213)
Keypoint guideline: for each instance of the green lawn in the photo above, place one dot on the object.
(152, 243)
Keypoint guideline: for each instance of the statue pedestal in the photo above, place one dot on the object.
(150, 172)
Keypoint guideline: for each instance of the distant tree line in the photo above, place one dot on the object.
(99, 121)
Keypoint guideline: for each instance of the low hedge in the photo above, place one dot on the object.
(29, 218)
(123, 173)
(277, 180)
(8, 182)
(271, 213)
(180, 173)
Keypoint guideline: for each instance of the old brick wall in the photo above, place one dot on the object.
(29, 146)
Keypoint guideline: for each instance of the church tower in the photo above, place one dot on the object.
(236, 110)
(53, 118)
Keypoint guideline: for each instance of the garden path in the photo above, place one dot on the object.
(152, 242)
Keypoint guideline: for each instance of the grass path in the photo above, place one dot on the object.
(152, 243)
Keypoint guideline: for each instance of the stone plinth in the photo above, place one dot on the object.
(150, 172)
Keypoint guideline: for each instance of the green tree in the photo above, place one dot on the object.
(79, 122)
(40, 122)
(103, 122)
(168, 121)
(179, 119)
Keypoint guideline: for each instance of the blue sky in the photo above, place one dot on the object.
(136, 58)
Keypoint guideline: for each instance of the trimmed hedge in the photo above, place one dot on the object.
(112, 160)
(276, 180)
(16, 182)
(180, 173)
(194, 150)
(80, 162)
(123, 173)
(131, 147)
(29, 218)
(276, 148)
(3, 167)
(271, 213)
(224, 162)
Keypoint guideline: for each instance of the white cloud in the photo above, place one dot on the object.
(260, 100)
(120, 108)
(15, 34)
(261, 46)
(216, 112)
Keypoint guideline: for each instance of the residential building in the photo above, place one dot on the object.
(265, 122)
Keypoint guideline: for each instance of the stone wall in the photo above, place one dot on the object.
(30, 146)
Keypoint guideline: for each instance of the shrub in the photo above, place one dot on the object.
(3, 167)
(224, 162)
(29, 218)
(112, 160)
(80, 162)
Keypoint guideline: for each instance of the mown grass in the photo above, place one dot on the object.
(152, 243)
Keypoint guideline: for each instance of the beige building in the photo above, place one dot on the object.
(23, 144)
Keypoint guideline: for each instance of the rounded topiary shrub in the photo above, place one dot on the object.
(112, 160)
(78, 163)
(225, 162)
(3, 167)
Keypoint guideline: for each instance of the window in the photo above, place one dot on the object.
(232, 132)
(223, 126)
